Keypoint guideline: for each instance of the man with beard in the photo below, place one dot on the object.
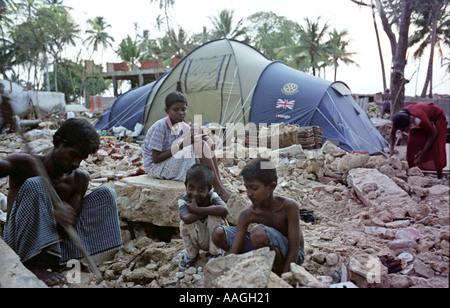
(33, 228)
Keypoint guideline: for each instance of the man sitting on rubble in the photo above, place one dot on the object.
(33, 229)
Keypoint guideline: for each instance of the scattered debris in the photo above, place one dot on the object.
(368, 221)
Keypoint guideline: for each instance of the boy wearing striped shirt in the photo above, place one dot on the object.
(168, 151)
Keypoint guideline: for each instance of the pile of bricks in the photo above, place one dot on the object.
(310, 137)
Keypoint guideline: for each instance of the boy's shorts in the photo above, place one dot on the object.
(276, 239)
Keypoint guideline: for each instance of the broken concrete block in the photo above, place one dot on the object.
(249, 270)
(415, 171)
(236, 204)
(352, 161)
(422, 269)
(385, 193)
(304, 278)
(409, 234)
(155, 201)
(332, 149)
(367, 271)
(12, 272)
(399, 244)
(398, 224)
(438, 190)
(275, 282)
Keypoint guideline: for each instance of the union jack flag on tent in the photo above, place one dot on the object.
(285, 104)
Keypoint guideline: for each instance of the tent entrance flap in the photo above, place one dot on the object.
(205, 74)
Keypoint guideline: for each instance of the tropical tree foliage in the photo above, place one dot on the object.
(432, 21)
(396, 17)
(130, 51)
(72, 80)
(7, 56)
(269, 32)
(337, 49)
(165, 6)
(97, 34)
(35, 32)
(309, 50)
(42, 32)
(223, 26)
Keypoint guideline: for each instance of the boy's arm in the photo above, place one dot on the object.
(159, 157)
(241, 230)
(188, 217)
(294, 235)
(196, 212)
(177, 145)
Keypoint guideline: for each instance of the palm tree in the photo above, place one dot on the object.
(6, 47)
(57, 3)
(130, 51)
(309, 52)
(97, 34)
(223, 25)
(4, 4)
(7, 56)
(164, 5)
(338, 53)
(433, 24)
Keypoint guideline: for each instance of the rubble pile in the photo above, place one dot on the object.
(309, 137)
(377, 222)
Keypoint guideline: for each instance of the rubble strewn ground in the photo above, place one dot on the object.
(389, 230)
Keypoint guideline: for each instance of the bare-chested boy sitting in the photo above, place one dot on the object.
(277, 219)
(33, 229)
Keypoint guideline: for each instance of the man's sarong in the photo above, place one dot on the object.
(31, 227)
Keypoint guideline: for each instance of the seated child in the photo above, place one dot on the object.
(201, 211)
(168, 151)
(277, 220)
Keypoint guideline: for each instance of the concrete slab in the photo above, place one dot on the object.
(375, 189)
(155, 201)
(13, 274)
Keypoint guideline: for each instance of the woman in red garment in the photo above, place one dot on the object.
(427, 128)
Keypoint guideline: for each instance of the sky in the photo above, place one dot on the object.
(192, 15)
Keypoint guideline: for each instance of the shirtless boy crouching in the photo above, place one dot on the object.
(277, 219)
(33, 229)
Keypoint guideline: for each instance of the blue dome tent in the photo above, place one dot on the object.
(294, 97)
(127, 110)
(228, 81)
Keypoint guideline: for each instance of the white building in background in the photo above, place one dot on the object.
(45, 102)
